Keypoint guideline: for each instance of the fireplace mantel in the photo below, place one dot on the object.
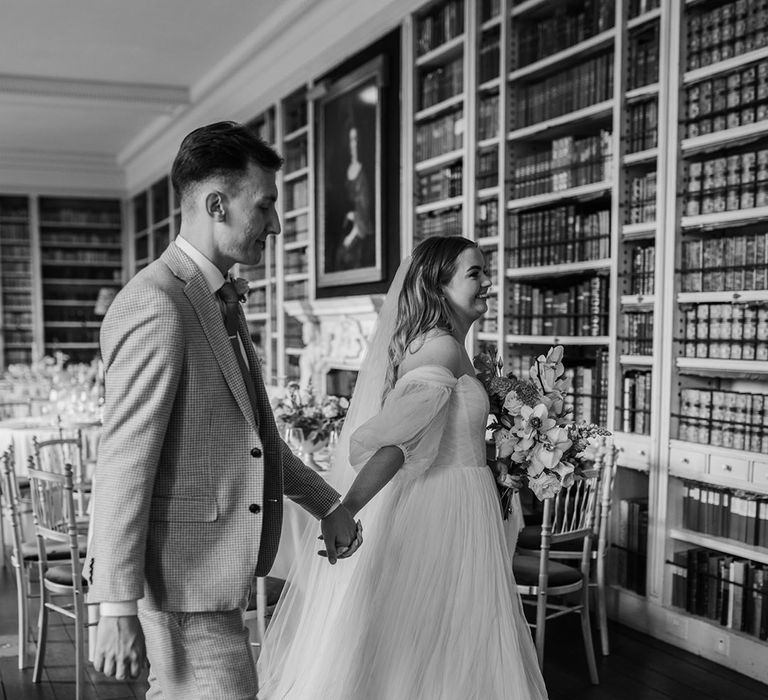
(335, 333)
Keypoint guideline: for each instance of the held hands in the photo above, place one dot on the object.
(510, 481)
(120, 650)
(342, 535)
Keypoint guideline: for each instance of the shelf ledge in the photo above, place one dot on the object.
(595, 111)
(440, 53)
(449, 203)
(720, 544)
(590, 191)
(431, 111)
(717, 367)
(643, 91)
(724, 66)
(296, 174)
(636, 360)
(722, 297)
(725, 218)
(558, 270)
(637, 157)
(644, 301)
(593, 43)
(642, 19)
(438, 161)
(724, 137)
(556, 340)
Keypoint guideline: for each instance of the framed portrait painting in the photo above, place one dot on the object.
(349, 208)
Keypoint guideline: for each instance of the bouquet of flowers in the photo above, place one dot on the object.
(535, 435)
(317, 417)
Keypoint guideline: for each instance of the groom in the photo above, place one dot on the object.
(191, 470)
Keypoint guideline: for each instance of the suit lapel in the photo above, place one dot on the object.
(212, 322)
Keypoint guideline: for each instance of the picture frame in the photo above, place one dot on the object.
(350, 249)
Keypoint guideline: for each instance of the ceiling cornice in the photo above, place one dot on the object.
(163, 98)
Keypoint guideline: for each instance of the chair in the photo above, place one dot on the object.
(569, 516)
(24, 552)
(53, 507)
(52, 455)
(261, 605)
(530, 538)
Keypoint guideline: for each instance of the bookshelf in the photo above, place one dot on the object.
(61, 259)
(16, 293)
(155, 216)
(80, 255)
(712, 478)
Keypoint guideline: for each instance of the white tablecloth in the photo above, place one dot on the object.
(20, 432)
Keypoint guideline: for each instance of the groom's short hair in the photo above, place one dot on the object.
(222, 149)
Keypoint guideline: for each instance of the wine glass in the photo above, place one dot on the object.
(294, 438)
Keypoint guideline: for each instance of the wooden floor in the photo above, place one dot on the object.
(639, 667)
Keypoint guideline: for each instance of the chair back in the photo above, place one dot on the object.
(54, 455)
(570, 514)
(12, 505)
(55, 516)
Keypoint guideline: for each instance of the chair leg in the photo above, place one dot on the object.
(42, 636)
(22, 604)
(602, 614)
(79, 652)
(541, 626)
(586, 632)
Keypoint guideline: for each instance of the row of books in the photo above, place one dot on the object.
(295, 112)
(18, 336)
(442, 83)
(440, 184)
(446, 222)
(726, 102)
(257, 301)
(296, 155)
(726, 331)
(565, 27)
(737, 181)
(489, 60)
(643, 120)
(295, 261)
(642, 271)
(568, 162)
(571, 89)
(57, 255)
(296, 228)
(13, 208)
(297, 194)
(442, 23)
(730, 419)
(488, 117)
(17, 298)
(49, 238)
(9, 251)
(490, 322)
(631, 547)
(721, 512)
(557, 235)
(638, 333)
(636, 402)
(441, 135)
(53, 214)
(14, 232)
(487, 220)
(730, 591)
(296, 290)
(16, 318)
(576, 310)
(14, 268)
(643, 63)
(487, 168)
(732, 29)
(641, 207)
(728, 263)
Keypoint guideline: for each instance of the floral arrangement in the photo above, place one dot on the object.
(317, 417)
(535, 435)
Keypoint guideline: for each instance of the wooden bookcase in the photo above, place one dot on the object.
(59, 255)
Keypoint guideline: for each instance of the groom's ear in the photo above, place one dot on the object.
(215, 205)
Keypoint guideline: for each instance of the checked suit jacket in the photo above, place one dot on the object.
(180, 487)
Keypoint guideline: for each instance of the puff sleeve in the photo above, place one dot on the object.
(412, 418)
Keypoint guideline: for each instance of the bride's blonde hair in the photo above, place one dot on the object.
(421, 306)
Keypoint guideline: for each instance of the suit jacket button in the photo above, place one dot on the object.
(256, 452)
(254, 508)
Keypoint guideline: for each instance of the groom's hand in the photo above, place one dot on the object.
(341, 534)
(120, 650)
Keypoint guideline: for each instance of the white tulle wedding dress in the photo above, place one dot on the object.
(427, 609)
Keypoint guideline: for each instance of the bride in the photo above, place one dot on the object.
(428, 608)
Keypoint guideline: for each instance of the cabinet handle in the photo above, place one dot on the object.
(685, 460)
(727, 468)
(736, 295)
(641, 453)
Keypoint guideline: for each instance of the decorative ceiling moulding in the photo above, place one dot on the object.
(70, 172)
(160, 98)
